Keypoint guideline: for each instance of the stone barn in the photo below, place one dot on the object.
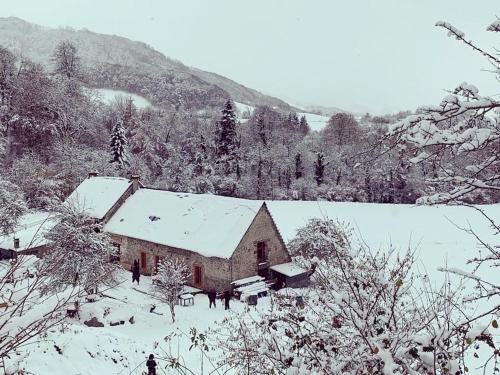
(221, 239)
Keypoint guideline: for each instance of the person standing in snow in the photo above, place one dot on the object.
(136, 274)
(212, 295)
(151, 365)
(227, 297)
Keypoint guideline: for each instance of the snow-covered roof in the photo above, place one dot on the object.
(30, 231)
(97, 195)
(207, 224)
(248, 280)
(289, 269)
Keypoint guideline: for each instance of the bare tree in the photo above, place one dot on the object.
(169, 280)
(66, 60)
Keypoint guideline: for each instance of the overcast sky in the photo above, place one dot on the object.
(361, 55)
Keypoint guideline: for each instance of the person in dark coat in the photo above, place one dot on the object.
(227, 297)
(151, 365)
(212, 295)
(136, 274)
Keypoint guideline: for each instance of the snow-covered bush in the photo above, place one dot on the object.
(12, 206)
(79, 253)
(366, 313)
(169, 280)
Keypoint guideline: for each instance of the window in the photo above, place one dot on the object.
(144, 262)
(157, 260)
(115, 258)
(261, 251)
(198, 275)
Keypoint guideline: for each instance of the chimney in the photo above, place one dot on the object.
(135, 183)
(93, 174)
(16, 243)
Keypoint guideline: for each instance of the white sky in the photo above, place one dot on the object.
(361, 55)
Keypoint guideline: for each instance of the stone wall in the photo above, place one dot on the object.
(244, 259)
(216, 271)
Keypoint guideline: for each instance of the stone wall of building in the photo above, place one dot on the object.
(216, 272)
(244, 260)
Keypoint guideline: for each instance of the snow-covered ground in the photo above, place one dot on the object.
(109, 95)
(123, 349)
(316, 122)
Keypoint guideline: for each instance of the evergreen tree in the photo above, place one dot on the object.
(119, 146)
(262, 128)
(303, 126)
(226, 140)
(299, 168)
(319, 168)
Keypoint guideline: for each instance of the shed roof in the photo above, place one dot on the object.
(289, 269)
(30, 231)
(207, 224)
(97, 195)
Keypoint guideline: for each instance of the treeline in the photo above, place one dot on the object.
(53, 131)
(167, 89)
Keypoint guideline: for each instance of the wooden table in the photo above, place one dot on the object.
(186, 299)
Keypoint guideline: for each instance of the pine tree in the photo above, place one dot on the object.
(262, 128)
(303, 126)
(119, 146)
(319, 168)
(299, 168)
(226, 140)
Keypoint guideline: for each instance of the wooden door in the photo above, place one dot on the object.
(198, 275)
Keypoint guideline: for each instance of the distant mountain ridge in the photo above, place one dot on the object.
(116, 60)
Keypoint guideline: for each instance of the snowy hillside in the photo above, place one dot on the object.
(316, 122)
(122, 349)
(109, 95)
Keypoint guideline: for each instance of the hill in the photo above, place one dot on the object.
(119, 63)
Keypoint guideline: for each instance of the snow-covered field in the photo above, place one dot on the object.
(316, 122)
(109, 95)
(123, 349)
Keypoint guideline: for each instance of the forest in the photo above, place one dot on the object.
(54, 130)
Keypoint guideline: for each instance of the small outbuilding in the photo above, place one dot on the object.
(29, 236)
(290, 275)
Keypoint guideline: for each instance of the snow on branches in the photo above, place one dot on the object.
(460, 137)
(464, 125)
(494, 26)
(12, 206)
(365, 313)
(119, 146)
(169, 280)
(79, 253)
